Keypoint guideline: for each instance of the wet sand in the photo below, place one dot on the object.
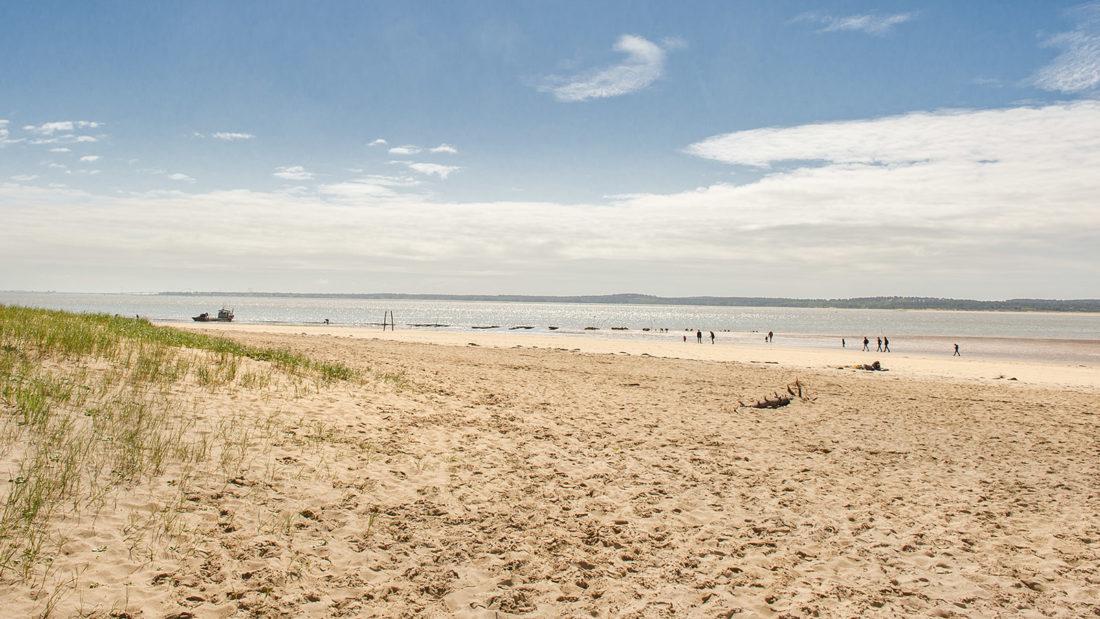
(911, 365)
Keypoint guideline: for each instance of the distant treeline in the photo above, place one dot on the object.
(902, 303)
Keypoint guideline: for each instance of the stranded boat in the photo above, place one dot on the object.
(224, 315)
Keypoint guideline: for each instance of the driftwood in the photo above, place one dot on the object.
(795, 391)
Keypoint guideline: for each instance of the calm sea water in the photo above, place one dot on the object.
(1050, 336)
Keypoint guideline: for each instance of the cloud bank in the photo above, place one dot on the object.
(963, 203)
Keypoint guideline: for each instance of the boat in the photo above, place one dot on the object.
(224, 315)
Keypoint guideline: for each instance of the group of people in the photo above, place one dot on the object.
(883, 345)
(699, 336)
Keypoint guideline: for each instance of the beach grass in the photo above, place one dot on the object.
(73, 335)
(90, 404)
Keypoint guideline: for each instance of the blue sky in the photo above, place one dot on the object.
(587, 138)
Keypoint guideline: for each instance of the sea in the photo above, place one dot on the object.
(1071, 338)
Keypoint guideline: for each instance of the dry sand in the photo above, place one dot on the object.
(492, 482)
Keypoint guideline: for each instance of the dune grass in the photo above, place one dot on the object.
(74, 335)
(90, 403)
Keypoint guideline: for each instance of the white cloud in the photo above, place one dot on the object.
(977, 203)
(90, 158)
(61, 149)
(231, 136)
(293, 173)
(368, 187)
(928, 137)
(445, 149)
(869, 23)
(643, 65)
(67, 138)
(61, 126)
(407, 149)
(1077, 68)
(23, 178)
(5, 133)
(429, 169)
(378, 142)
(55, 166)
(179, 176)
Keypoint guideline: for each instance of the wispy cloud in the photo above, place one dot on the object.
(910, 139)
(179, 176)
(61, 149)
(231, 136)
(1077, 68)
(378, 142)
(444, 148)
(870, 23)
(368, 187)
(293, 173)
(643, 65)
(67, 138)
(23, 178)
(407, 149)
(61, 126)
(5, 133)
(429, 169)
(90, 158)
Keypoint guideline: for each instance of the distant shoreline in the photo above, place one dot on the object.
(884, 303)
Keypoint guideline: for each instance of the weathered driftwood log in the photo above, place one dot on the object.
(795, 390)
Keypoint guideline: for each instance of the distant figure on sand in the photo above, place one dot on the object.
(843, 344)
(879, 344)
(866, 343)
(685, 339)
(712, 337)
(885, 344)
(771, 336)
(326, 321)
(699, 336)
(957, 353)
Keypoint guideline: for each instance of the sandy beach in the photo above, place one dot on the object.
(496, 481)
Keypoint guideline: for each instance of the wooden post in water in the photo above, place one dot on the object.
(388, 316)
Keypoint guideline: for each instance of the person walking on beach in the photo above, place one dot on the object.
(957, 353)
(685, 339)
(771, 336)
(866, 343)
(885, 344)
(699, 336)
(712, 337)
(879, 344)
(843, 344)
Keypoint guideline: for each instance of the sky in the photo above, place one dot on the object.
(826, 149)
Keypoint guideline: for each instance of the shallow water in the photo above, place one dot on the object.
(1062, 337)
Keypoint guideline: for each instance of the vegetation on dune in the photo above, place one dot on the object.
(92, 402)
(102, 335)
